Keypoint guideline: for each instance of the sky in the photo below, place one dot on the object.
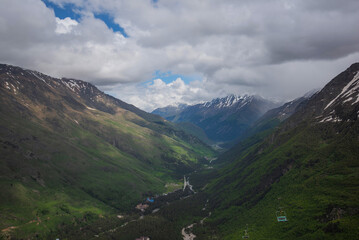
(157, 53)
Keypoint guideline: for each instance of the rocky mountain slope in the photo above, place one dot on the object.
(308, 167)
(70, 151)
(261, 128)
(224, 119)
(288, 109)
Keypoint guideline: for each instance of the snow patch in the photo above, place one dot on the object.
(37, 76)
(7, 85)
(71, 84)
(330, 119)
(356, 101)
(345, 89)
(74, 85)
(348, 100)
(226, 102)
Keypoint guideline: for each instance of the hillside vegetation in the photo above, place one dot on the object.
(308, 167)
(72, 153)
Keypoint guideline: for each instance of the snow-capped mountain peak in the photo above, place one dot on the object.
(228, 101)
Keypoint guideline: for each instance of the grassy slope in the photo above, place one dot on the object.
(190, 128)
(54, 170)
(314, 170)
(310, 165)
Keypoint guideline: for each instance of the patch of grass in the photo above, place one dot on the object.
(55, 176)
(307, 170)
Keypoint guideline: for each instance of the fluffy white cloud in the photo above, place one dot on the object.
(156, 93)
(65, 25)
(235, 46)
(279, 82)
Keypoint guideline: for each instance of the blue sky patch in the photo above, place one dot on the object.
(72, 11)
(169, 77)
(68, 10)
(106, 18)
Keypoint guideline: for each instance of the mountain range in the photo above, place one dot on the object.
(75, 161)
(222, 119)
(305, 168)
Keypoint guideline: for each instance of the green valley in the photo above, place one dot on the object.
(179, 120)
(307, 167)
(65, 159)
(77, 168)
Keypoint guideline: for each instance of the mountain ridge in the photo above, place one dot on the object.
(310, 164)
(224, 119)
(68, 150)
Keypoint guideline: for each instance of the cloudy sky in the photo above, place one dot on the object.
(155, 53)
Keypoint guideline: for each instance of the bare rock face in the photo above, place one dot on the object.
(338, 101)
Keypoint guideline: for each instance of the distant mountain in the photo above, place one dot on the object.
(225, 119)
(307, 167)
(264, 126)
(170, 111)
(288, 109)
(70, 151)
